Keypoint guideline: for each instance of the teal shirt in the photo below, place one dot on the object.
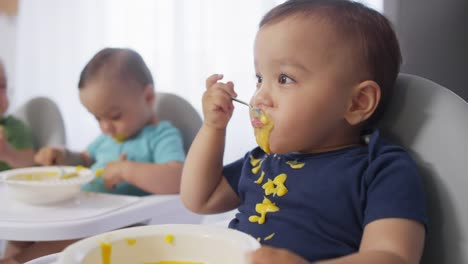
(159, 143)
(18, 135)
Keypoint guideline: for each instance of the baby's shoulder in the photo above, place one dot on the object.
(13, 122)
(164, 127)
(383, 150)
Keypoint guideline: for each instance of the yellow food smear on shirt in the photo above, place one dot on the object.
(169, 239)
(256, 164)
(276, 186)
(295, 164)
(106, 251)
(263, 208)
(269, 237)
(262, 134)
(255, 170)
(98, 172)
(260, 179)
(253, 161)
(131, 241)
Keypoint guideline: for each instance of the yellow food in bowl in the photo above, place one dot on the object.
(106, 252)
(36, 176)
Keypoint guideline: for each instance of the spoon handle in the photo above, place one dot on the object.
(240, 101)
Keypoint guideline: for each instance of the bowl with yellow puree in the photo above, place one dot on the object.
(162, 244)
(45, 185)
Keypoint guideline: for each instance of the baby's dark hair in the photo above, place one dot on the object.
(117, 63)
(367, 31)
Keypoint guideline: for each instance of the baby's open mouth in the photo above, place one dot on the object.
(257, 123)
(263, 126)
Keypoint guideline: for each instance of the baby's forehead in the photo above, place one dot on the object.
(309, 33)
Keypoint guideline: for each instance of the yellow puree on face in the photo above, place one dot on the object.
(120, 138)
(262, 134)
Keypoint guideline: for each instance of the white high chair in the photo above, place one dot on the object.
(91, 214)
(432, 123)
(43, 117)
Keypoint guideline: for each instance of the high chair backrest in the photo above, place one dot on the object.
(180, 113)
(43, 117)
(432, 123)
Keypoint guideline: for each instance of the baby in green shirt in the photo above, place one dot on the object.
(16, 143)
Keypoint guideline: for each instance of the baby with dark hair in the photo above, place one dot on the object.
(137, 153)
(324, 186)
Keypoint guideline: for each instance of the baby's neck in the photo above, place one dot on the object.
(153, 120)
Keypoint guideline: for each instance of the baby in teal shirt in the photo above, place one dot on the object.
(137, 153)
(16, 141)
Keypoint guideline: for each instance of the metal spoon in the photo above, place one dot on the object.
(66, 175)
(257, 112)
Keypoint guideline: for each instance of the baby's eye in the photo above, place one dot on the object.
(259, 79)
(116, 117)
(284, 79)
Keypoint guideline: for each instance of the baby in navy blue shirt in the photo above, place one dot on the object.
(323, 186)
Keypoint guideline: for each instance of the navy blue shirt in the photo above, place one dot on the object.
(317, 205)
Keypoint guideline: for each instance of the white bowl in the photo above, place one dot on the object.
(149, 244)
(42, 185)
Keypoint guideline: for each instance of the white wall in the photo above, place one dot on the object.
(433, 36)
(7, 46)
(434, 40)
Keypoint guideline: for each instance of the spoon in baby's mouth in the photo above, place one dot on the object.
(255, 111)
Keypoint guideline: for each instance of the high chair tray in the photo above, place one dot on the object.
(86, 215)
(49, 259)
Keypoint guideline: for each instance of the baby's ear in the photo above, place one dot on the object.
(149, 93)
(363, 101)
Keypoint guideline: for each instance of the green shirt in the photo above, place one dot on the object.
(18, 135)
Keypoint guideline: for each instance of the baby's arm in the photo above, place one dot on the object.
(18, 158)
(203, 187)
(389, 240)
(385, 241)
(160, 178)
(12, 156)
(59, 156)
